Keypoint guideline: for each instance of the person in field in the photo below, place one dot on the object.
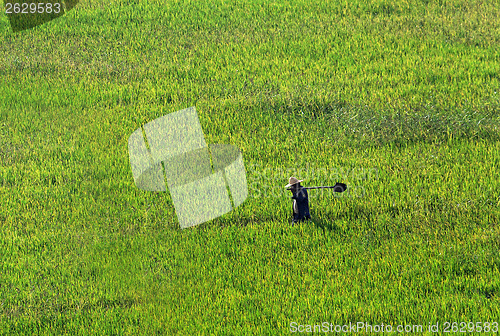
(300, 200)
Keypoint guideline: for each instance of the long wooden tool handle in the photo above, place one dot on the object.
(321, 187)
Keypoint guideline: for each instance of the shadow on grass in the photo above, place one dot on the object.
(244, 220)
(327, 219)
(326, 222)
(48, 308)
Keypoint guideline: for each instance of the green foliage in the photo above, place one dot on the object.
(398, 99)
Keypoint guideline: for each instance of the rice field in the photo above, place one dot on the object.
(400, 100)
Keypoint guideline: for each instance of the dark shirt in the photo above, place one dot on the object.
(300, 205)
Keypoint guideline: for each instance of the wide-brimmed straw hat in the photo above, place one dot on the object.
(292, 181)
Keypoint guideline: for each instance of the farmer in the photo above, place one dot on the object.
(300, 200)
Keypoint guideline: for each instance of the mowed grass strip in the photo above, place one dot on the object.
(399, 100)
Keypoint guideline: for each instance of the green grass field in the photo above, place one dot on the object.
(398, 99)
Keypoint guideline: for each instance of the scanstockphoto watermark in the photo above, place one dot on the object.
(364, 327)
(269, 182)
(361, 327)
